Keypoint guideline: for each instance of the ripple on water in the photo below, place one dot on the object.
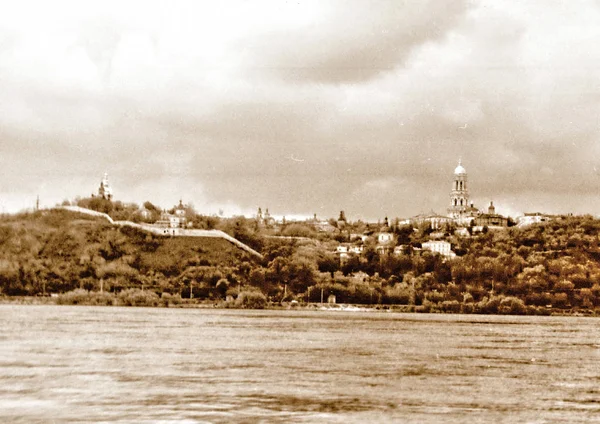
(59, 364)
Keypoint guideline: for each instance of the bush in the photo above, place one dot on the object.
(512, 306)
(560, 300)
(74, 297)
(397, 296)
(84, 297)
(425, 308)
(538, 299)
(434, 296)
(102, 299)
(251, 300)
(467, 308)
(488, 306)
(168, 299)
(451, 306)
(539, 310)
(564, 286)
(137, 297)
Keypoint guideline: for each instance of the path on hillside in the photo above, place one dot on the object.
(171, 232)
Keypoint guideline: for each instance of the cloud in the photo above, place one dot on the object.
(349, 41)
(309, 106)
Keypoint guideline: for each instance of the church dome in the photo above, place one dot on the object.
(460, 169)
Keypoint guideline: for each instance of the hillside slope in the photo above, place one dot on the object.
(56, 251)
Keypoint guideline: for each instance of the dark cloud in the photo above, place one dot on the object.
(352, 42)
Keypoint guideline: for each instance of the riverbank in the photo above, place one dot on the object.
(140, 298)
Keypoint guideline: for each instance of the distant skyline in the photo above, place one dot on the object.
(302, 107)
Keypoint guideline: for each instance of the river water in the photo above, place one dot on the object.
(64, 364)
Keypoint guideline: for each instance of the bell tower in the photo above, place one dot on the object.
(459, 196)
(105, 191)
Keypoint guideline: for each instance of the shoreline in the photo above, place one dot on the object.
(341, 307)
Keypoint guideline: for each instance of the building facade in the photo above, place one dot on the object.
(439, 246)
(491, 219)
(436, 221)
(177, 219)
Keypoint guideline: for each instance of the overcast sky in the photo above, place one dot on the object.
(302, 106)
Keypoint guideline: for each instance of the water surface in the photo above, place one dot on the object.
(67, 364)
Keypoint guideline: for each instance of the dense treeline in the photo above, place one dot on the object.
(537, 269)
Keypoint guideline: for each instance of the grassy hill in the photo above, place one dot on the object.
(57, 251)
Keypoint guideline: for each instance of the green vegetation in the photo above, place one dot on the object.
(58, 251)
(84, 297)
(545, 268)
(248, 299)
(129, 297)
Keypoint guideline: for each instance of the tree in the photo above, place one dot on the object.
(257, 278)
(301, 275)
(328, 263)
(222, 286)
(298, 230)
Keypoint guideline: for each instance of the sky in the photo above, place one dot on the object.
(302, 106)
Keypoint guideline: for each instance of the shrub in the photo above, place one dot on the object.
(168, 299)
(512, 306)
(84, 297)
(137, 297)
(434, 296)
(424, 308)
(102, 299)
(74, 297)
(560, 300)
(467, 308)
(540, 310)
(451, 306)
(488, 306)
(397, 295)
(538, 299)
(251, 300)
(564, 286)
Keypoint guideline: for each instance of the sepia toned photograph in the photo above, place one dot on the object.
(300, 211)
